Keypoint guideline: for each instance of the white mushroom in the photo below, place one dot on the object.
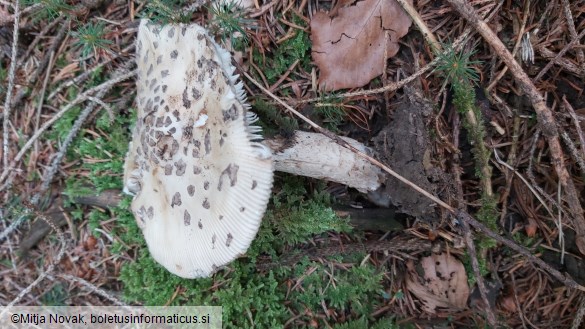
(200, 178)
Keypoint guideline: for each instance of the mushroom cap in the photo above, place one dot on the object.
(200, 178)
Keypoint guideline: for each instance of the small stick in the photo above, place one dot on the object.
(566, 64)
(573, 31)
(57, 40)
(475, 265)
(7, 109)
(573, 115)
(516, 46)
(418, 21)
(580, 314)
(565, 279)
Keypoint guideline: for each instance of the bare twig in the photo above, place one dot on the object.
(27, 10)
(91, 287)
(4, 221)
(6, 123)
(574, 152)
(565, 279)
(572, 31)
(418, 21)
(580, 314)
(525, 15)
(42, 98)
(41, 67)
(534, 186)
(41, 36)
(518, 305)
(573, 115)
(86, 74)
(566, 64)
(536, 194)
(475, 265)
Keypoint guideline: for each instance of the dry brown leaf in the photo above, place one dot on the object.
(531, 227)
(66, 72)
(509, 304)
(444, 283)
(349, 48)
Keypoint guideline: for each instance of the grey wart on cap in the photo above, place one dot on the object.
(200, 178)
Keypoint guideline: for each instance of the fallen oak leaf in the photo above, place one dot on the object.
(349, 48)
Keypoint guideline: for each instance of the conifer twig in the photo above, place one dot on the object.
(6, 123)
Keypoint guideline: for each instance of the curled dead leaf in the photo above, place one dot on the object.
(349, 47)
(444, 282)
(508, 304)
(531, 227)
(66, 72)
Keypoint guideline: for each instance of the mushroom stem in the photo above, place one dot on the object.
(314, 155)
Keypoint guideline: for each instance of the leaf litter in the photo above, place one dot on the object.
(443, 283)
(351, 44)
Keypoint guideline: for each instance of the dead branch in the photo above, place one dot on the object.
(6, 123)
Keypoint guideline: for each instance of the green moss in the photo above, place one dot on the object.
(62, 127)
(56, 296)
(364, 323)
(272, 121)
(252, 299)
(104, 156)
(483, 268)
(289, 51)
(488, 213)
(3, 77)
(352, 292)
